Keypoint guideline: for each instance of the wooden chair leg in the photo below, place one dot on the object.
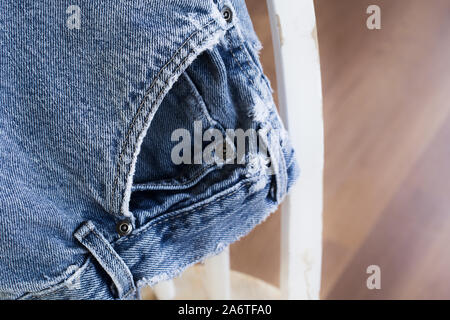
(217, 276)
(165, 290)
(300, 99)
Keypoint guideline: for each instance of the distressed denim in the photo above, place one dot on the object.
(86, 122)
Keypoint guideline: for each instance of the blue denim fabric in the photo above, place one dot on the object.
(86, 120)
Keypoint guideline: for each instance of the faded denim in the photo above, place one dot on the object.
(85, 136)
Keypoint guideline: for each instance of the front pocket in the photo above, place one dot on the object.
(180, 119)
(174, 167)
(222, 89)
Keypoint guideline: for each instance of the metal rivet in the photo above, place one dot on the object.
(227, 14)
(124, 228)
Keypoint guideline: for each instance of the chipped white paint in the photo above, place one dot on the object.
(300, 98)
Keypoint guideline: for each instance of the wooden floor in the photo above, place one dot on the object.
(387, 151)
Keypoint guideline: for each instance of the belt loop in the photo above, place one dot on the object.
(107, 257)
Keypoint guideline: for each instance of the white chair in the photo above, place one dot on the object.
(300, 100)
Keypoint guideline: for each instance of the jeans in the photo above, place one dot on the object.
(136, 138)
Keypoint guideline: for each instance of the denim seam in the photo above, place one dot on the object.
(258, 90)
(152, 224)
(196, 95)
(239, 64)
(161, 92)
(142, 103)
(168, 183)
(248, 47)
(158, 77)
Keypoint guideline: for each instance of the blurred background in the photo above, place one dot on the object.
(386, 97)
